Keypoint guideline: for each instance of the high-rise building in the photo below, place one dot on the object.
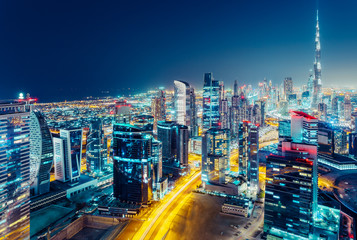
(348, 108)
(284, 130)
(317, 67)
(210, 115)
(291, 192)
(132, 161)
(288, 87)
(353, 144)
(174, 138)
(185, 106)
(68, 155)
(15, 171)
(247, 157)
(304, 127)
(41, 154)
(122, 112)
(253, 173)
(158, 107)
(322, 109)
(215, 155)
(97, 148)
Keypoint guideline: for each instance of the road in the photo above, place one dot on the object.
(156, 224)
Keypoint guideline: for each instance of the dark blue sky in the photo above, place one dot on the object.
(70, 49)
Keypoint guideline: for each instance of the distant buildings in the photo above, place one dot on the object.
(288, 87)
(68, 155)
(15, 171)
(41, 154)
(132, 157)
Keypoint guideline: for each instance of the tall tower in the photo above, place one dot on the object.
(317, 66)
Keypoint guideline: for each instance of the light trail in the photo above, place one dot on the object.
(146, 227)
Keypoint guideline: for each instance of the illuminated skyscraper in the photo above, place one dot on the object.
(317, 67)
(174, 138)
(348, 108)
(122, 112)
(41, 154)
(158, 107)
(185, 106)
(14, 171)
(210, 115)
(291, 192)
(223, 108)
(304, 127)
(97, 151)
(288, 87)
(132, 161)
(215, 155)
(68, 155)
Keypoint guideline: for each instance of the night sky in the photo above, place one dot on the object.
(59, 50)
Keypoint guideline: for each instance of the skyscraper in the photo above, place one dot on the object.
(174, 138)
(158, 107)
(132, 149)
(97, 151)
(291, 192)
(68, 155)
(317, 67)
(185, 106)
(303, 127)
(14, 171)
(348, 108)
(210, 115)
(122, 112)
(41, 154)
(215, 155)
(288, 87)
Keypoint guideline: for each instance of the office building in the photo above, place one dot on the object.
(291, 192)
(41, 154)
(158, 108)
(15, 171)
(210, 115)
(97, 148)
(215, 155)
(175, 141)
(288, 87)
(303, 127)
(68, 155)
(348, 108)
(185, 106)
(122, 112)
(132, 164)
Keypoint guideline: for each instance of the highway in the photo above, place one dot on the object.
(156, 224)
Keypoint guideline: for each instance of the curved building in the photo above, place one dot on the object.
(185, 106)
(41, 154)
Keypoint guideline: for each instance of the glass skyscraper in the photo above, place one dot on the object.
(68, 155)
(185, 106)
(210, 115)
(41, 153)
(291, 191)
(14, 171)
(97, 152)
(132, 156)
(215, 155)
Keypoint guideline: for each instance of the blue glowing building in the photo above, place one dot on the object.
(14, 171)
(132, 161)
(210, 115)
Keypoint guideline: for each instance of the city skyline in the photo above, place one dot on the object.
(128, 47)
